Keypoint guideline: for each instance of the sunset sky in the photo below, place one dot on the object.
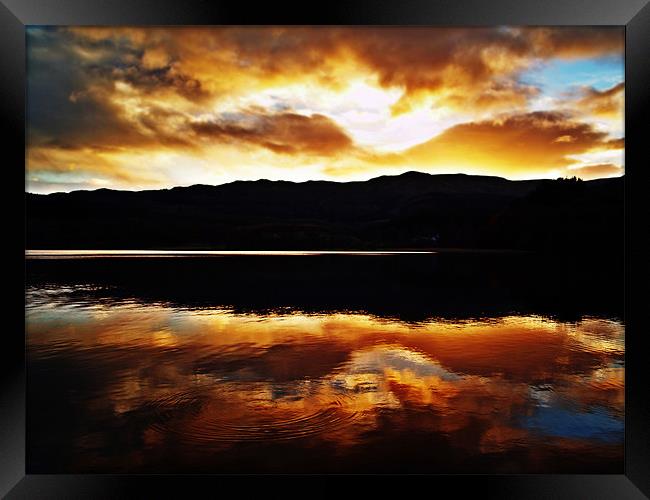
(149, 108)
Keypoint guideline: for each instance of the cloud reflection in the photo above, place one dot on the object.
(206, 386)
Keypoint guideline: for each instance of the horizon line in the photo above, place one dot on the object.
(317, 180)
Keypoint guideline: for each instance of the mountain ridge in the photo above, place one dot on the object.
(407, 174)
(413, 209)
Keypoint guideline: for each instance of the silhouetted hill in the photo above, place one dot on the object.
(404, 211)
(562, 214)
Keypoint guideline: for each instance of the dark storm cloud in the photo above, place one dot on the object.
(71, 83)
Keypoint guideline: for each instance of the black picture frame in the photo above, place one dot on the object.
(633, 14)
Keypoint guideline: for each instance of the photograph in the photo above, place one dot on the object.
(292, 249)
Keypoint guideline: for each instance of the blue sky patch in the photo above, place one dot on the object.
(557, 76)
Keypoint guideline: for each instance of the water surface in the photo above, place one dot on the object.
(336, 363)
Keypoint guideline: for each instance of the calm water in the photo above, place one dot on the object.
(324, 363)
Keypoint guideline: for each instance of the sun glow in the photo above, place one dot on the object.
(132, 108)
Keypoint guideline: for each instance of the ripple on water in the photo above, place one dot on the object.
(207, 416)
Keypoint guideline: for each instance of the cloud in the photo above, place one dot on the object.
(596, 171)
(74, 168)
(473, 66)
(616, 143)
(76, 90)
(577, 42)
(458, 66)
(607, 103)
(534, 144)
(100, 96)
(537, 140)
(284, 133)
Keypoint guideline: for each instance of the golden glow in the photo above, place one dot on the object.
(159, 107)
(331, 378)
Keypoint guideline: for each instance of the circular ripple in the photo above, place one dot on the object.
(207, 416)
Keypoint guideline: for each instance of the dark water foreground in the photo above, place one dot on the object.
(325, 363)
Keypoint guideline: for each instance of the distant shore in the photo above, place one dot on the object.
(208, 251)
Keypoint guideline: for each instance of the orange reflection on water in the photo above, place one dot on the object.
(516, 392)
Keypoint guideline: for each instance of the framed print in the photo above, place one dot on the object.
(359, 239)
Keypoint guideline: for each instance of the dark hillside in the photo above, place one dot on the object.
(404, 211)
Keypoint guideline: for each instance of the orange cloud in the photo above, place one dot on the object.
(284, 133)
(608, 103)
(596, 171)
(258, 97)
(460, 66)
(576, 42)
(536, 140)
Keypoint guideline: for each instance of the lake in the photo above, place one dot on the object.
(307, 362)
